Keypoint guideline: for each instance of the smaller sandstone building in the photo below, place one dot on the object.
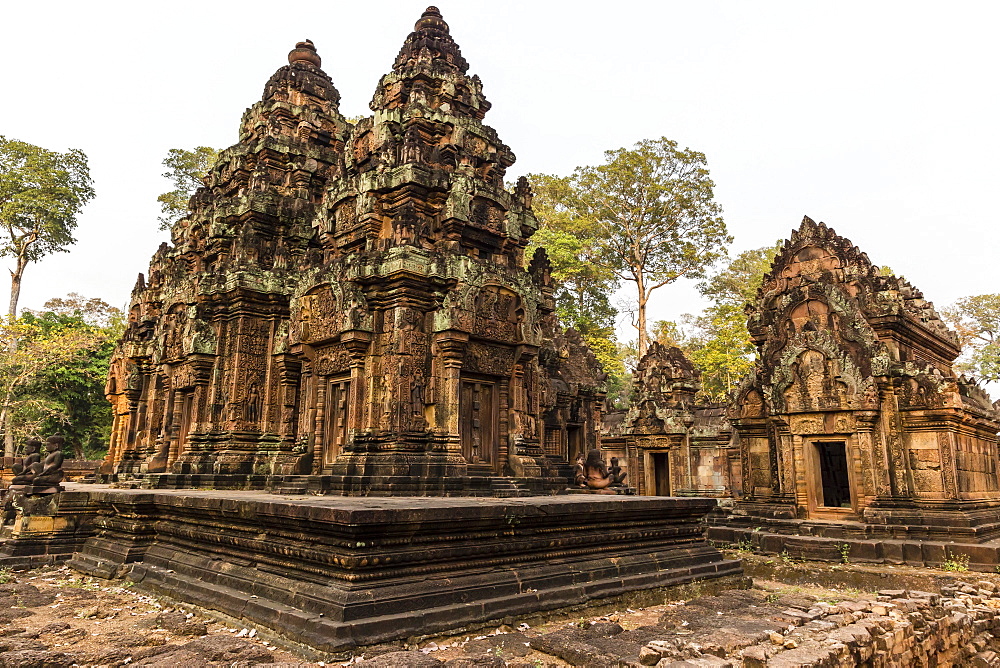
(349, 302)
(853, 411)
(671, 443)
(852, 424)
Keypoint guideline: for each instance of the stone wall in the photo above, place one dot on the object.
(902, 628)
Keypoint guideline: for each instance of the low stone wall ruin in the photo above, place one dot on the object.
(959, 627)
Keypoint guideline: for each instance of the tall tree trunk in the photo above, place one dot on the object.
(15, 287)
(640, 285)
(8, 446)
(15, 294)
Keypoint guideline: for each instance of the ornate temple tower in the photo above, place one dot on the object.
(349, 302)
(853, 412)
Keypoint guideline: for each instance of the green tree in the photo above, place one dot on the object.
(737, 283)
(653, 217)
(583, 288)
(42, 345)
(41, 194)
(717, 341)
(187, 171)
(76, 387)
(976, 319)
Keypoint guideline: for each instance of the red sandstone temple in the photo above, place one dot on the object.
(347, 307)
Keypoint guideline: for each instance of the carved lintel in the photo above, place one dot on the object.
(525, 351)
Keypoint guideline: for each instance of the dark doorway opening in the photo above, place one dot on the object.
(478, 422)
(574, 434)
(836, 492)
(661, 473)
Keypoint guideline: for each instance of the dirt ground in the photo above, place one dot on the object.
(54, 617)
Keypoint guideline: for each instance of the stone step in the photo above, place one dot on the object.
(290, 489)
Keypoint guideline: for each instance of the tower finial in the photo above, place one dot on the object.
(304, 52)
(431, 20)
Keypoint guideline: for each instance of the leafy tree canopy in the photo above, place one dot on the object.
(653, 217)
(187, 171)
(736, 284)
(976, 319)
(56, 376)
(583, 294)
(41, 194)
(717, 341)
(583, 288)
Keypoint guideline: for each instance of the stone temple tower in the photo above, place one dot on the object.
(348, 307)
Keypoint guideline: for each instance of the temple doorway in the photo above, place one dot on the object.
(835, 490)
(187, 405)
(661, 473)
(574, 436)
(335, 430)
(478, 418)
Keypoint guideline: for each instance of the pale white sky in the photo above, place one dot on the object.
(879, 118)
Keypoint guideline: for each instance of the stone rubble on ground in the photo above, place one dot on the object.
(736, 628)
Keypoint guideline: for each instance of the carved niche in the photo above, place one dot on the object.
(175, 323)
(498, 314)
(816, 384)
(488, 214)
(320, 316)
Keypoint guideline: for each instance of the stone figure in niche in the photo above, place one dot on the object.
(579, 472)
(417, 396)
(23, 472)
(253, 404)
(404, 225)
(412, 145)
(616, 473)
(415, 421)
(598, 476)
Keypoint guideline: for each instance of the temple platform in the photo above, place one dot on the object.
(335, 572)
(912, 537)
(39, 530)
(396, 485)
